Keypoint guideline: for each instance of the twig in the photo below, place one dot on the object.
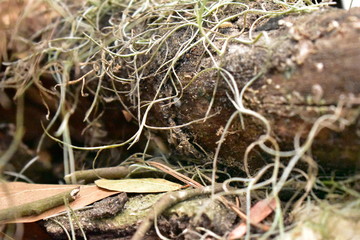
(168, 200)
(175, 174)
(88, 176)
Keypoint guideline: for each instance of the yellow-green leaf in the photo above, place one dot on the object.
(138, 185)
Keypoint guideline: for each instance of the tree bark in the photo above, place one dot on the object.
(309, 65)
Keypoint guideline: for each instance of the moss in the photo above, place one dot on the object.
(135, 209)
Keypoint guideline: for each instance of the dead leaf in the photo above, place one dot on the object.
(17, 193)
(138, 185)
(258, 212)
(127, 115)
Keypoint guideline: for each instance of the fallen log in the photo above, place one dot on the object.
(308, 69)
(185, 74)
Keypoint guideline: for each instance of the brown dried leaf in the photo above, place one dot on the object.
(127, 115)
(258, 212)
(16, 193)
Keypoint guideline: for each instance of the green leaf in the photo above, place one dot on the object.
(138, 185)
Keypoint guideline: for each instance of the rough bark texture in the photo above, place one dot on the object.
(122, 219)
(309, 63)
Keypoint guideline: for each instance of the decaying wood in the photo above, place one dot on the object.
(309, 65)
(166, 201)
(176, 216)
